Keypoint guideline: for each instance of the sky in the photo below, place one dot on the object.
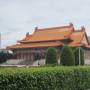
(17, 17)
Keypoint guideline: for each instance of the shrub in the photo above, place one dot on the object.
(82, 57)
(51, 56)
(5, 56)
(67, 56)
(82, 78)
(45, 78)
(76, 52)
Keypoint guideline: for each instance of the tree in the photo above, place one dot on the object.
(5, 56)
(82, 57)
(67, 56)
(51, 56)
(79, 59)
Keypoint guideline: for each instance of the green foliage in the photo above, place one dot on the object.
(51, 56)
(45, 78)
(82, 78)
(4, 56)
(67, 56)
(76, 52)
(82, 57)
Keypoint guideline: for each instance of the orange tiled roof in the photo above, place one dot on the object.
(26, 38)
(76, 38)
(34, 45)
(49, 34)
(52, 34)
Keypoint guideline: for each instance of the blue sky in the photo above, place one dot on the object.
(17, 17)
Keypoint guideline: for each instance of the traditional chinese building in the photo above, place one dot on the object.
(34, 46)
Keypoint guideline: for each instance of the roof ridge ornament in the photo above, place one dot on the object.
(27, 34)
(82, 28)
(71, 24)
(36, 28)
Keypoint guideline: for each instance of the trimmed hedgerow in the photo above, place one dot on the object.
(82, 78)
(45, 78)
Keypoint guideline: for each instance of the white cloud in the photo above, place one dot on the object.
(20, 16)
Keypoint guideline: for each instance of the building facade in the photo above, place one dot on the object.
(34, 46)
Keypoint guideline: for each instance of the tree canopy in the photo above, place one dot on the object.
(51, 56)
(67, 56)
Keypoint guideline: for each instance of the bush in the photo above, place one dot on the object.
(67, 56)
(51, 56)
(5, 56)
(76, 52)
(82, 78)
(45, 78)
(2, 57)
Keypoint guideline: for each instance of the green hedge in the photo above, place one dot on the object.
(45, 78)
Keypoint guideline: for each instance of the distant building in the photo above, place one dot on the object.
(34, 46)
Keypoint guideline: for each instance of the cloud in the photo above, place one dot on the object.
(17, 17)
